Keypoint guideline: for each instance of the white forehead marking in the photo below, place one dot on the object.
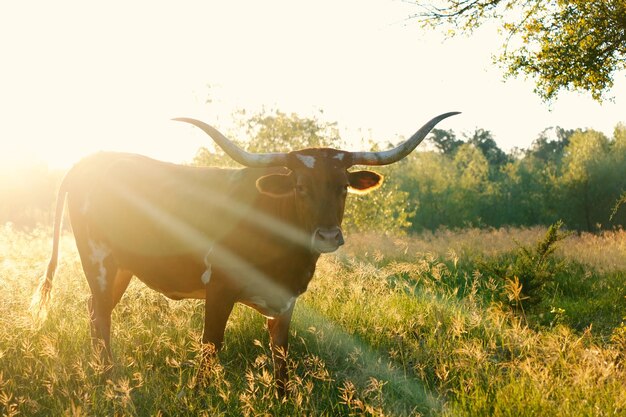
(307, 160)
(99, 252)
(339, 156)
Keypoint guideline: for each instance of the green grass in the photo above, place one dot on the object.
(389, 326)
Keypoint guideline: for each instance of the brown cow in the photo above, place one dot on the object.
(249, 235)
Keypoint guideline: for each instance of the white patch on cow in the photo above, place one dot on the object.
(258, 302)
(288, 305)
(206, 276)
(313, 238)
(271, 311)
(99, 252)
(339, 156)
(307, 160)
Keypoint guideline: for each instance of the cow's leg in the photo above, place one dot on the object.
(218, 305)
(118, 286)
(102, 275)
(122, 279)
(279, 339)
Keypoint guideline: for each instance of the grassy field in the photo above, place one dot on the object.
(433, 325)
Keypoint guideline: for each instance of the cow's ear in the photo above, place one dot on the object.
(362, 182)
(275, 185)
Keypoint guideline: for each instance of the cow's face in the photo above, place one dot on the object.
(319, 182)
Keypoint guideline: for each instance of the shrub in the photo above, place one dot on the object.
(529, 271)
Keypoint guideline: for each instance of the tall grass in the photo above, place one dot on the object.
(389, 327)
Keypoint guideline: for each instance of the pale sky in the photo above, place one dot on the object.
(78, 76)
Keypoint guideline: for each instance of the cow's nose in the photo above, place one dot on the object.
(328, 239)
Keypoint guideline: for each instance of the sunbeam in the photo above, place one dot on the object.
(414, 394)
(239, 269)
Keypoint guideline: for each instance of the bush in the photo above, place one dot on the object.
(529, 271)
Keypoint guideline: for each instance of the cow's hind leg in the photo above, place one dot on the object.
(122, 279)
(100, 328)
(102, 275)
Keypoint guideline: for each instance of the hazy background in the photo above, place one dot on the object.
(77, 77)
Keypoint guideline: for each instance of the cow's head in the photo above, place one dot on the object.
(319, 180)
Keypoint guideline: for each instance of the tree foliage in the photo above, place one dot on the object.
(444, 140)
(576, 176)
(561, 44)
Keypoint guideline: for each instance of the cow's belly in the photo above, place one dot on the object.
(180, 277)
(173, 289)
(180, 295)
(176, 277)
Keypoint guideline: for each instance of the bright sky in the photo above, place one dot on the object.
(77, 76)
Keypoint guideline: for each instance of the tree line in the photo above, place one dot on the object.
(452, 181)
(572, 175)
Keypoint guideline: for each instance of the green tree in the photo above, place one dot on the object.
(561, 44)
(589, 181)
(278, 132)
(529, 192)
(472, 184)
(446, 190)
(428, 178)
(385, 210)
(444, 140)
(618, 214)
(483, 141)
(550, 150)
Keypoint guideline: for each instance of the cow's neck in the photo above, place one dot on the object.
(294, 264)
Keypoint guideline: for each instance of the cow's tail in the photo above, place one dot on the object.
(41, 298)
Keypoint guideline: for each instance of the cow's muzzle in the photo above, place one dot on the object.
(327, 239)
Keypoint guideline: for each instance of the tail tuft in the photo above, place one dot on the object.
(41, 299)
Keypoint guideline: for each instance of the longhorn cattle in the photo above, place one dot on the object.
(250, 235)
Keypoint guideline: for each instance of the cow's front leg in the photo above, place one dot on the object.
(279, 339)
(218, 305)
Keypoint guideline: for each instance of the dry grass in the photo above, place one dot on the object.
(605, 252)
(384, 333)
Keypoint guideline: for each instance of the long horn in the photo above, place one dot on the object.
(252, 160)
(393, 155)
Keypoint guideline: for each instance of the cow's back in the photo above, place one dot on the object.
(156, 207)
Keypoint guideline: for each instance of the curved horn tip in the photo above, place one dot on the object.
(448, 114)
(184, 119)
